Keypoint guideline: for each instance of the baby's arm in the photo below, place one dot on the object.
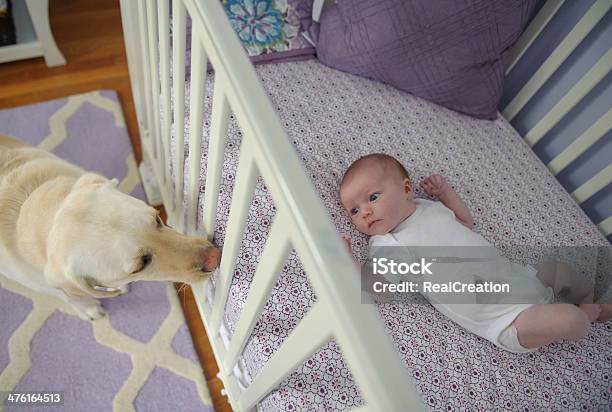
(379, 297)
(436, 185)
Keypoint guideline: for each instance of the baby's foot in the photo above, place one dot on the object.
(606, 312)
(592, 310)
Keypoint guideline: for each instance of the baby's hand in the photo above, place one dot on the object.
(347, 241)
(435, 185)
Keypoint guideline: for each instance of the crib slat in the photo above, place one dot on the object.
(196, 115)
(606, 226)
(179, 16)
(571, 98)
(230, 381)
(602, 179)
(163, 14)
(532, 31)
(582, 143)
(133, 50)
(142, 17)
(268, 270)
(153, 136)
(216, 150)
(244, 186)
(154, 71)
(313, 331)
(557, 57)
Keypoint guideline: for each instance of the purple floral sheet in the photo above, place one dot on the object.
(332, 118)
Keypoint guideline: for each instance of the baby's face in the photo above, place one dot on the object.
(377, 200)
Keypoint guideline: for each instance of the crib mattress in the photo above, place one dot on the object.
(332, 118)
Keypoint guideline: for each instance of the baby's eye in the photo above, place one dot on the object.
(374, 196)
(354, 211)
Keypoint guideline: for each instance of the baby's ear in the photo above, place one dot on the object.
(407, 185)
(408, 188)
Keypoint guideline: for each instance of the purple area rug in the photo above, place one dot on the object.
(139, 357)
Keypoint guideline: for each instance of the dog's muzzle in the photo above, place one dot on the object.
(212, 258)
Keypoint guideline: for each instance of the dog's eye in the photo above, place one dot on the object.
(145, 260)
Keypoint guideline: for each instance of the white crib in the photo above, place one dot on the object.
(301, 222)
(267, 152)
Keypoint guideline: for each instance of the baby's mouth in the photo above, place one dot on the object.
(373, 222)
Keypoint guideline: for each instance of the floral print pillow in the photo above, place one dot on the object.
(272, 29)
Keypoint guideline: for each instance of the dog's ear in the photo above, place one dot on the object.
(89, 179)
(71, 281)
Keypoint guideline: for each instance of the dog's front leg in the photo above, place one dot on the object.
(76, 291)
(86, 307)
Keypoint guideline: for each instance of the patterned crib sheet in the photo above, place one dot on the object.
(332, 118)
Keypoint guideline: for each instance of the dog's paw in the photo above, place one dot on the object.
(93, 312)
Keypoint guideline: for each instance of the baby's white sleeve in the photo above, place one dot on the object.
(382, 240)
(389, 248)
(443, 210)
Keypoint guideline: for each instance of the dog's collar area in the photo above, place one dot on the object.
(100, 288)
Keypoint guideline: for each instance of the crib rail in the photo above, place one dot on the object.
(301, 222)
(601, 180)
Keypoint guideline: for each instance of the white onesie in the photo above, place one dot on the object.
(433, 224)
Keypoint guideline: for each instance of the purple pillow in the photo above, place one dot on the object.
(450, 52)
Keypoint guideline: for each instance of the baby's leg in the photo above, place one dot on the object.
(564, 281)
(540, 325)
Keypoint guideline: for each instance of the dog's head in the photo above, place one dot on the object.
(102, 239)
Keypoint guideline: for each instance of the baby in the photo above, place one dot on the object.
(377, 193)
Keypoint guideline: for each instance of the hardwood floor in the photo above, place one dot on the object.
(89, 34)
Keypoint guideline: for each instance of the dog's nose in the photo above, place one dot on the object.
(212, 257)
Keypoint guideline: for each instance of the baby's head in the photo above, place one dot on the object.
(377, 194)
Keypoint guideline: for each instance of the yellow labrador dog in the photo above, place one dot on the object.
(73, 235)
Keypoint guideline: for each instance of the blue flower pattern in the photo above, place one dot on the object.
(261, 25)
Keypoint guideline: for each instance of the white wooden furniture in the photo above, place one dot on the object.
(301, 223)
(594, 76)
(34, 36)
